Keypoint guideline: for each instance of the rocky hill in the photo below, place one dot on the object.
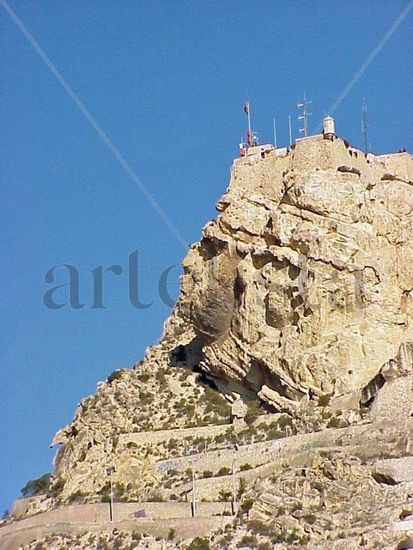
(282, 384)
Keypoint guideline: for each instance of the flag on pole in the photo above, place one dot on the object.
(247, 107)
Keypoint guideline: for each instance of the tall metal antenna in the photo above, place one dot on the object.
(248, 113)
(289, 130)
(275, 132)
(304, 116)
(365, 125)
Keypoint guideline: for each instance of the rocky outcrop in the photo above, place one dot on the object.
(303, 285)
(300, 290)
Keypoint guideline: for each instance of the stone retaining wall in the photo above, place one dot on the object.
(13, 536)
(257, 454)
(159, 436)
(75, 519)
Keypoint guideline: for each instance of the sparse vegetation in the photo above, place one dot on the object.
(199, 543)
(334, 423)
(246, 505)
(224, 471)
(253, 411)
(249, 541)
(115, 375)
(258, 527)
(241, 488)
(324, 400)
(156, 496)
(77, 496)
(36, 486)
(226, 496)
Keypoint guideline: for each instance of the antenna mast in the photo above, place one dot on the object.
(304, 116)
(365, 125)
(248, 113)
(289, 130)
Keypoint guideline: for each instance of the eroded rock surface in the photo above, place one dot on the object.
(301, 288)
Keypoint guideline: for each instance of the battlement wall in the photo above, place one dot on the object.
(266, 171)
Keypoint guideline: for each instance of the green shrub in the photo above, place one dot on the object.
(224, 471)
(77, 495)
(324, 400)
(216, 403)
(274, 434)
(199, 543)
(253, 411)
(115, 375)
(310, 518)
(241, 488)
(226, 496)
(36, 486)
(245, 467)
(171, 534)
(258, 527)
(178, 330)
(317, 485)
(246, 505)
(334, 423)
(284, 421)
(248, 541)
(56, 488)
(156, 496)
(207, 473)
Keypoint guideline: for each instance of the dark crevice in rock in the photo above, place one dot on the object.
(383, 478)
(209, 247)
(370, 391)
(189, 355)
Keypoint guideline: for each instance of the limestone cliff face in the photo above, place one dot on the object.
(301, 287)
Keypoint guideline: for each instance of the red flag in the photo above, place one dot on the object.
(246, 107)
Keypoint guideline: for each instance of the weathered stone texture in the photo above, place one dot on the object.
(301, 287)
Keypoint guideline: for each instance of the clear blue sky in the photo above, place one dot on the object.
(166, 81)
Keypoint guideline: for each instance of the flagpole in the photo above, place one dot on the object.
(249, 118)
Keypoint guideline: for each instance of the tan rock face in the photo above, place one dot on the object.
(302, 286)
